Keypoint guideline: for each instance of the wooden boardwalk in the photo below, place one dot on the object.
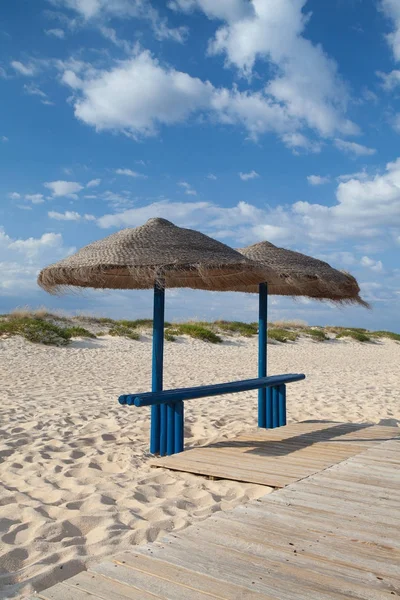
(277, 457)
(333, 535)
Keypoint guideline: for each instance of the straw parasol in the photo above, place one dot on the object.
(302, 275)
(157, 252)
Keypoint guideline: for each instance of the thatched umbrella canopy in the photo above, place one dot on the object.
(302, 275)
(156, 252)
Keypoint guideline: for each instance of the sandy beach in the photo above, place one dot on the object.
(75, 481)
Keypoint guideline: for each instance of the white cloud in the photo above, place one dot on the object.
(70, 216)
(26, 70)
(4, 138)
(58, 33)
(396, 122)
(33, 90)
(93, 183)
(317, 179)
(129, 173)
(97, 12)
(374, 265)
(365, 208)
(139, 95)
(119, 201)
(244, 222)
(390, 80)
(64, 188)
(23, 258)
(34, 198)
(14, 196)
(188, 188)
(361, 175)
(307, 83)
(212, 176)
(392, 9)
(298, 141)
(246, 176)
(353, 148)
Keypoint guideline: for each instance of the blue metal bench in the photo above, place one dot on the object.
(167, 436)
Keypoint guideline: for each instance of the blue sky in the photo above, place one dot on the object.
(245, 119)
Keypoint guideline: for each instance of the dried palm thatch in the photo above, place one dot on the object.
(157, 251)
(302, 275)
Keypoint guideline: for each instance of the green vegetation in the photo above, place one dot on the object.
(78, 332)
(170, 336)
(35, 330)
(42, 326)
(282, 335)
(245, 329)
(317, 334)
(387, 334)
(122, 331)
(199, 332)
(136, 323)
(140, 323)
(354, 334)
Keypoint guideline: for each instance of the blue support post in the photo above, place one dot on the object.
(170, 428)
(178, 428)
(157, 367)
(275, 406)
(262, 352)
(268, 409)
(282, 404)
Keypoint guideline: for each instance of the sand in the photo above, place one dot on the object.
(75, 484)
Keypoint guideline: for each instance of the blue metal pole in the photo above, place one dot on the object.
(262, 352)
(178, 430)
(157, 365)
(275, 406)
(170, 428)
(282, 405)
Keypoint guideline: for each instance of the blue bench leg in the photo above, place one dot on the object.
(179, 427)
(171, 429)
(275, 406)
(268, 409)
(281, 405)
(155, 429)
(262, 408)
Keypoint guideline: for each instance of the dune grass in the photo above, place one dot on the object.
(35, 330)
(77, 331)
(359, 336)
(244, 329)
(282, 335)
(317, 334)
(199, 332)
(119, 330)
(387, 334)
(43, 326)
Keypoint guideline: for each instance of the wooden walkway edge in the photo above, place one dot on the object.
(333, 535)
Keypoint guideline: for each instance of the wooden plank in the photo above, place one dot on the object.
(188, 577)
(281, 456)
(106, 587)
(159, 581)
(65, 592)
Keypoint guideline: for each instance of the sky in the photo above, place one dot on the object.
(248, 120)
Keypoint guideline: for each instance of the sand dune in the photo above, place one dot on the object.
(75, 481)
